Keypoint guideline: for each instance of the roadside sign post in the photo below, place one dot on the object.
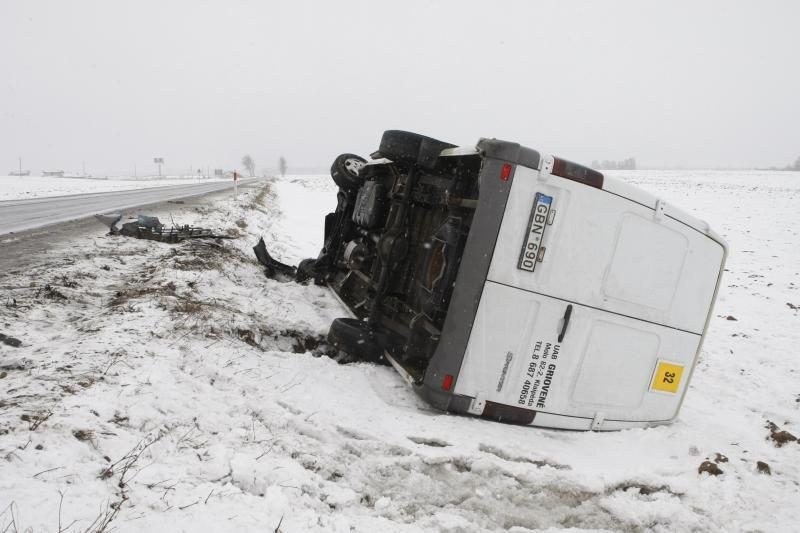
(158, 161)
(235, 184)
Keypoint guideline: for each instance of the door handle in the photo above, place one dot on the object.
(567, 315)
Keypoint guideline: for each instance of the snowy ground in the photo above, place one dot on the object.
(173, 387)
(24, 187)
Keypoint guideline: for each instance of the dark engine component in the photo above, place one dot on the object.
(370, 206)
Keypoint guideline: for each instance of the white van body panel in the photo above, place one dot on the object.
(607, 252)
(646, 199)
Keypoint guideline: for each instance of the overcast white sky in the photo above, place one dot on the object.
(672, 83)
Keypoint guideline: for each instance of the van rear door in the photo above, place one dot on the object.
(605, 251)
(540, 353)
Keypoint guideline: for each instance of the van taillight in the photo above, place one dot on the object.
(575, 172)
(505, 172)
(447, 382)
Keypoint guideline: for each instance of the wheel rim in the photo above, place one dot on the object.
(353, 166)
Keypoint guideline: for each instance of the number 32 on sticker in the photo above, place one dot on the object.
(667, 377)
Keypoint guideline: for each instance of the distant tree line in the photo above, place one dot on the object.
(795, 166)
(625, 164)
(249, 163)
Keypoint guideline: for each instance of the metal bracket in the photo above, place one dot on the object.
(477, 404)
(546, 167)
(658, 214)
(598, 420)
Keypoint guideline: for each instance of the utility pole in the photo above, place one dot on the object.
(20, 165)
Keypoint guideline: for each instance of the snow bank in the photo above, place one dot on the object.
(173, 387)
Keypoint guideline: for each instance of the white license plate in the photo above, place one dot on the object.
(536, 226)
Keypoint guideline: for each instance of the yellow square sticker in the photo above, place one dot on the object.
(667, 377)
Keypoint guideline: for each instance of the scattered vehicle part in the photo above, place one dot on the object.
(151, 228)
(109, 220)
(518, 286)
(272, 267)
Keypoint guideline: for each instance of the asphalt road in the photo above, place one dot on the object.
(51, 242)
(22, 215)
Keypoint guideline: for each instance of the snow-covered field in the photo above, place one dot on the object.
(174, 388)
(24, 187)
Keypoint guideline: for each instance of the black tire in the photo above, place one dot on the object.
(354, 338)
(345, 169)
(411, 148)
(305, 270)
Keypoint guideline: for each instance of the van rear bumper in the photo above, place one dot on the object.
(463, 405)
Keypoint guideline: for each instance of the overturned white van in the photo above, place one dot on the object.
(518, 286)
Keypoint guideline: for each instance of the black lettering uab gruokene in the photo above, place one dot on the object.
(548, 378)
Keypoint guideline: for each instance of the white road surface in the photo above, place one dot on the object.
(21, 215)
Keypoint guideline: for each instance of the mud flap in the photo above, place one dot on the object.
(272, 267)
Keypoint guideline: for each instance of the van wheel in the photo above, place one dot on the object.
(411, 148)
(305, 270)
(345, 170)
(353, 337)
